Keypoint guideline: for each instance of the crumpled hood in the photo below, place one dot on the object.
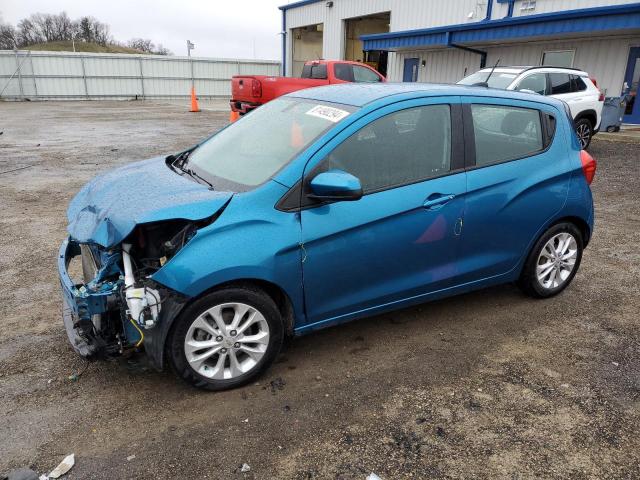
(108, 208)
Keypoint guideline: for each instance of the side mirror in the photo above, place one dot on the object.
(335, 185)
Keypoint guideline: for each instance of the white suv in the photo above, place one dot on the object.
(571, 85)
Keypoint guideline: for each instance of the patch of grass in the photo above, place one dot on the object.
(67, 46)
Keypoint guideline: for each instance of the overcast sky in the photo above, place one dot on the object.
(219, 28)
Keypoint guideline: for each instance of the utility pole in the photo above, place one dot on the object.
(191, 46)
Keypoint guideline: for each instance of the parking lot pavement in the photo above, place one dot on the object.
(487, 385)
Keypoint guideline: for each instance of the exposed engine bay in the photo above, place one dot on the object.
(117, 304)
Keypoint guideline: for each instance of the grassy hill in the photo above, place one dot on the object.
(66, 46)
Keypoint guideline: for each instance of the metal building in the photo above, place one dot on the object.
(436, 41)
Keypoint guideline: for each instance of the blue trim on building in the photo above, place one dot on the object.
(616, 17)
(301, 3)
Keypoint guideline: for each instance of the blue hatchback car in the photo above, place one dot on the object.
(323, 206)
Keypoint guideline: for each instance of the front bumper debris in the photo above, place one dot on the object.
(84, 304)
(96, 315)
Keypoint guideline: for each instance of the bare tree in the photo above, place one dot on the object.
(63, 27)
(143, 44)
(46, 27)
(160, 50)
(8, 37)
(147, 46)
(43, 23)
(28, 33)
(91, 30)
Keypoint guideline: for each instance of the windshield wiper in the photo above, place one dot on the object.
(194, 175)
(178, 164)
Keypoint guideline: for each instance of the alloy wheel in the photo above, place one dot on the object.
(584, 134)
(557, 260)
(226, 341)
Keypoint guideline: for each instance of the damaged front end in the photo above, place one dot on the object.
(123, 227)
(117, 307)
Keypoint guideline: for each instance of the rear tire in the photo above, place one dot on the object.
(584, 129)
(226, 339)
(553, 261)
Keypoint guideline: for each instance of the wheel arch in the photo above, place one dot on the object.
(274, 291)
(156, 338)
(590, 115)
(582, 225)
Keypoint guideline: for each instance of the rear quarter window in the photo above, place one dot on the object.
(577, 84)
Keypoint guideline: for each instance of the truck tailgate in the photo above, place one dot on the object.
(242, 88)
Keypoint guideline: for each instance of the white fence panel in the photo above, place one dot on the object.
(69, 75)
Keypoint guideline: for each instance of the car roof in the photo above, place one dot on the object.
(361, 94)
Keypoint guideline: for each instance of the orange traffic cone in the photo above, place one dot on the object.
(233, 116)
(194, 101)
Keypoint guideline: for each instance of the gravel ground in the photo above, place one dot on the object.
(486, 385)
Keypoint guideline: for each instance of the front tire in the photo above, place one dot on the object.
(226, 339)
(553, 261)
(584, 129)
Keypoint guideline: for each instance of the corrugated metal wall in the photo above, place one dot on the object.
(442, 66)
(545, 6)
(604, 58)
(67, 75)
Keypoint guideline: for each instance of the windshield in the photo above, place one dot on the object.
(253, 149)
(499, 80)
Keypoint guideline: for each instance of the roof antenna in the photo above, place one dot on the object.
(486, 80)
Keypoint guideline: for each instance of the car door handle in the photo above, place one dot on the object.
(437, 200)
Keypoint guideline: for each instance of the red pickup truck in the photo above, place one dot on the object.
(251, 91)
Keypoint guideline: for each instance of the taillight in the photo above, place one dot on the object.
(256, 88)
(595, 84)
(588, 166)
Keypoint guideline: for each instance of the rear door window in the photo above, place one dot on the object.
(343, 71)
(505, 133)
(397, 149)
(536, 82)
(317, 71)
(560, 83)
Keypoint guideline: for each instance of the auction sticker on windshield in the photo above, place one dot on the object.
(328, 113)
